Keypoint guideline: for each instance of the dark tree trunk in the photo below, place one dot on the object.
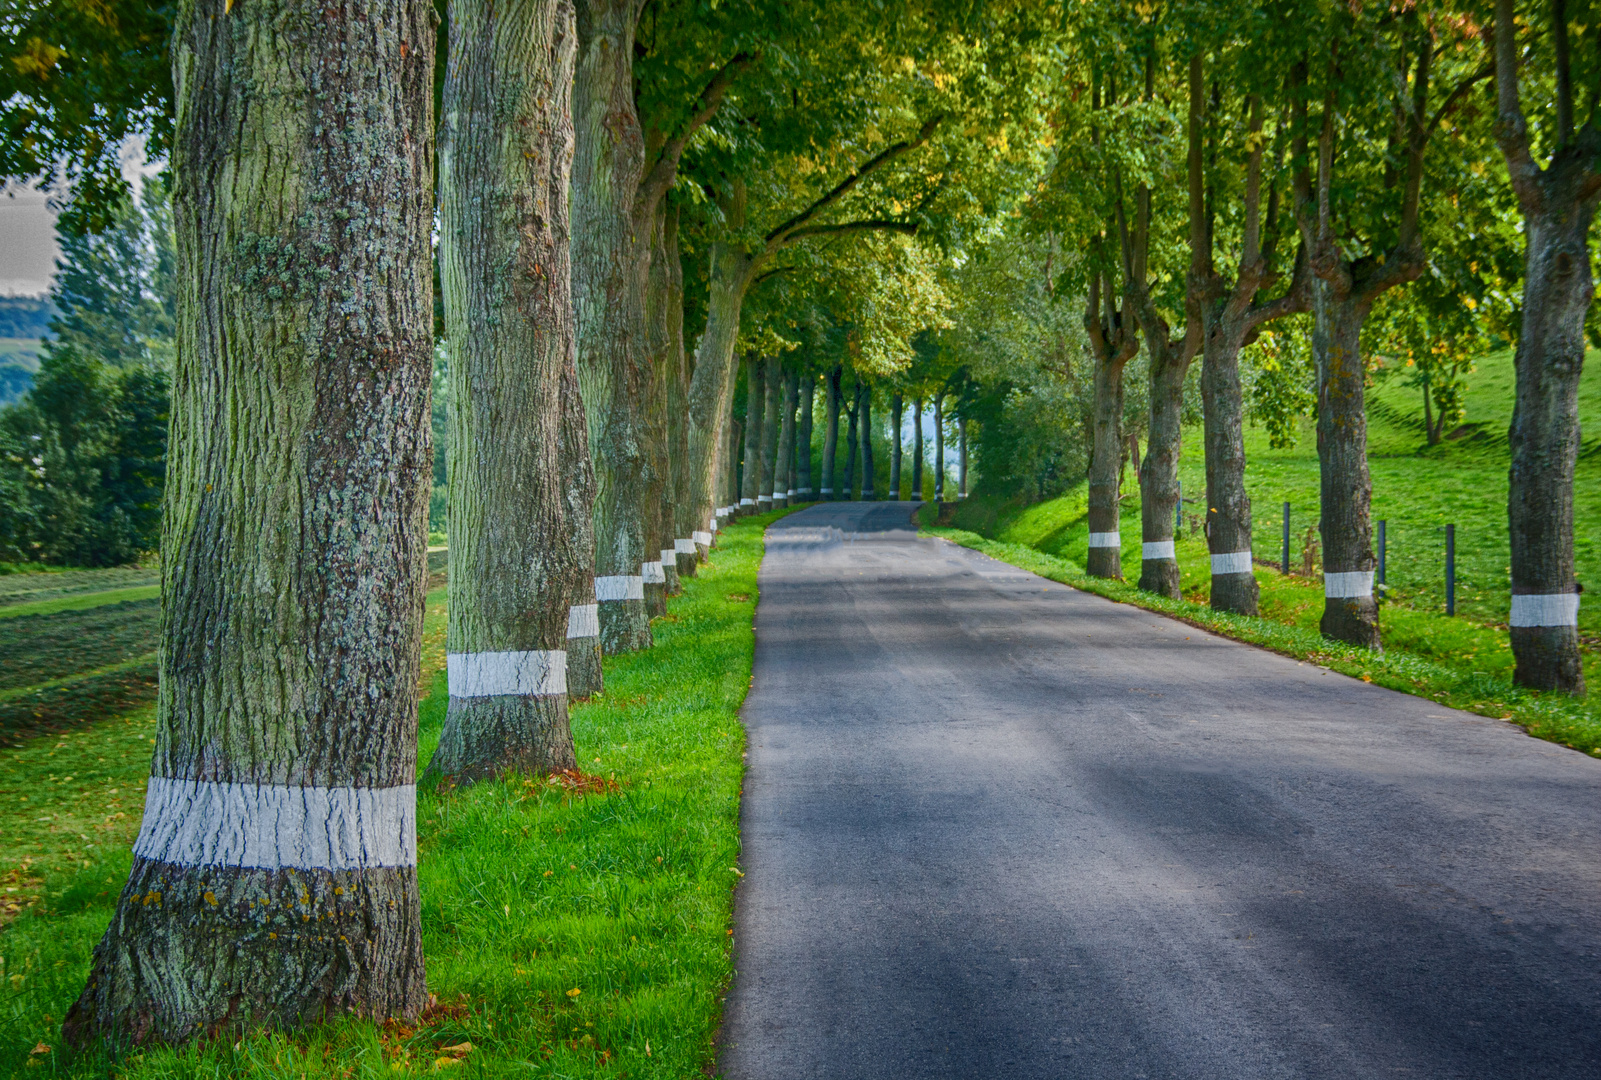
(584, 677)
(772, 424)
(659, 570)
(1558, 203)
(917, 450)
(803, 462)
(691, 533)
(866, 421)
(961, 457)
(294, 536)
(831, 435)
(851, 447)
(1228, 508)
(1349, 610)
(611, 264)
(755, 400)
(896, 407)
(1159, 473)
(1105, 557)
(784, 478)
(939, 447)
(505, 155)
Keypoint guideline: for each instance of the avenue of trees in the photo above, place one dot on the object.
(649, 254)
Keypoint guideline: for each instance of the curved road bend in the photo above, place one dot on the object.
(995, 827)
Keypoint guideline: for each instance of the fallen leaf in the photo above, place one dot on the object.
(574, 992)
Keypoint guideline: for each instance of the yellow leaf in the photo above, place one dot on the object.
(574, 992)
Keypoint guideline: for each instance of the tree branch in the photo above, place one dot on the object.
(907, 228)
(792, 228)
(1511, 129)
(664, 172)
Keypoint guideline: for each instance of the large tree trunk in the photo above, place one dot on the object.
(712, 384)
(584, 677)
(896, 405)
(294, 536)
(1159, 472)
(772, 423)
(1105, 558)
(611, 265)
(831, 434)
(917, 450)
(853, 414)
(784, 476)
(939, 447)
(1349, 610)
(1228, 509)
(803, 437)
(505, 154)
(755, 401)
(1544, 439)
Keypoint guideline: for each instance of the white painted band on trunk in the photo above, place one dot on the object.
(685, 547)
(1348, 584)
(1157, 549)
(669, 558)
(1234, 562)
(620, 587)
(1546, 609)
(790, 494)
(652, 573)
(763, 499)
(1110, 540)
(704, 539)
(825, 491)
(497, 674)
(747, 502)
(805, 491)
(583, 621)
(275, 826)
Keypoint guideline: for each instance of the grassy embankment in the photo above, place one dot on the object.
(1465, 661)
(568, 932)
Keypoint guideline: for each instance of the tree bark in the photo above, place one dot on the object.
(772, 424)
(1345, 527)
(917, 450)
(803, 461)
(896, 406)
(1228, 516)
(939, 448)
(961, 457)
(868, 492)
(611, 266)
(831, 434)
(784, 477)
(584, 675)
(755, 400)
(505, 155)
(691, 536)
(1558, 203)
(294, 536)
(1159, 472)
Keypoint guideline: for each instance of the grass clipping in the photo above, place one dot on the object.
(576, 925)
(1546, 716)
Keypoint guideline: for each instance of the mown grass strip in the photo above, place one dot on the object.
(1553, 717)
(80, 601)
(568, 932)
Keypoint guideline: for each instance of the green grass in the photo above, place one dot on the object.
(36, 586)
(1418, 489)
(80, 601)
(529, 891)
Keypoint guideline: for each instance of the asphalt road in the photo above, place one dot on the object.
(995, 827)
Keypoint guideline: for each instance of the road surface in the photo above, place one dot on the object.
(995, 827)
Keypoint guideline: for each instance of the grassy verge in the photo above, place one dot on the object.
(1475, 682)
(568, 932)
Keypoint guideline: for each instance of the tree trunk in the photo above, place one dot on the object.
(294, 537)
(755, 400)
(611, 266)
(1349, 611)
(1228, 508)
(784, 476)
(803, 461)
(584, 676)
(853, 414)
(961, 457)
(1105, 558)
(660, 567)
(1159, 472)
(867, 442)
(939, 447)
(1544, 440)
(505, 154)
(917, 450)
(691, 535)
(896, 406)
(831, 434)
(772, 424)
